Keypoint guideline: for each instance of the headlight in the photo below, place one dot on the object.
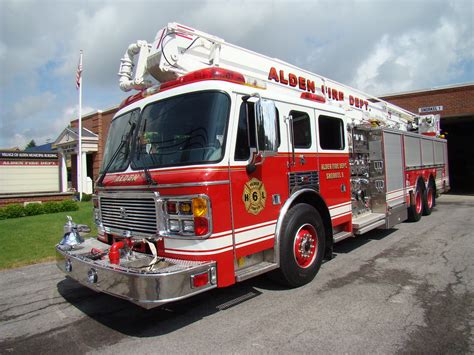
(187, 217)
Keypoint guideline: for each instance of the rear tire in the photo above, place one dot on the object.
(302, 246)
(415, 211)
(429, 198)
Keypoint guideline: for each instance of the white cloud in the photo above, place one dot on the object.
(32, 41)
(19, 141)
(23, 121)
(379, 46)
(414, 59)
(71, 113)
(31, 105)
(48, 130)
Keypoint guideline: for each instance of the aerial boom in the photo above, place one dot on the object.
(178, 50)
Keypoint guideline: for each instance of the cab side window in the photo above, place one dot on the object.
(301, 129)
(242, 147)
(331, 133)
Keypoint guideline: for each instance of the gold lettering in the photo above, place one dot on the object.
(333, 166)
(336, 175)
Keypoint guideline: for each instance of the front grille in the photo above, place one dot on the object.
(134, 214)
(303, 179)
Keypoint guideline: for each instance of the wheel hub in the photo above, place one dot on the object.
(305, 246)
(430, 198)
(418, 201)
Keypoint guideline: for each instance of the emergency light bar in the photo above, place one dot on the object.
(213, 73)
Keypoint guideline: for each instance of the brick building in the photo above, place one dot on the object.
(99, 123)
(455, 104)
(95, 127)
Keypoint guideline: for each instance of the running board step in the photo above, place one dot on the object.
(368, 219)
(370, 227)
(368, 222)
(254, 270)
(341, 236)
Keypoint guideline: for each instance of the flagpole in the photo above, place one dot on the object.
(79, 154)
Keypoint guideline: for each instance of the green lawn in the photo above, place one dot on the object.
(30, 240)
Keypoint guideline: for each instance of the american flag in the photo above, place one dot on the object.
(79, 73)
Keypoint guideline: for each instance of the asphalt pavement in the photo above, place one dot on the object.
(405, 290)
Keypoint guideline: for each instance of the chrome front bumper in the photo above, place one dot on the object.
(169, 280)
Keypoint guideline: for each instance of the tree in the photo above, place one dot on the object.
(31, 144)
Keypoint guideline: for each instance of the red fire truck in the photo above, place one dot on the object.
(228, 164)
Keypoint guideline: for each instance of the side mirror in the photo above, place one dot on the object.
(266, 127)
(266, 132)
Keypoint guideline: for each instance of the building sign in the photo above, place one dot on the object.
(28, 172)
(28, 163)
(28, 155)
(430, 109)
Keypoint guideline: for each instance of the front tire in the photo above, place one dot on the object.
(302, 245)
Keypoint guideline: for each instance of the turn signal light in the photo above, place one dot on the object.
(199, 207)
(200, 280)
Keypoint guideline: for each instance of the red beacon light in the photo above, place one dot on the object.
(205, 74)
(313, 97)
(138, 96)
(131, 99)
(214, 73)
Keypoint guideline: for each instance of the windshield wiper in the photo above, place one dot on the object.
(116, 153)
(146, 171)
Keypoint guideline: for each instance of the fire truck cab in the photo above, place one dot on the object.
(237, 164)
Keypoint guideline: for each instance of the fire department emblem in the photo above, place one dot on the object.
(254, 196)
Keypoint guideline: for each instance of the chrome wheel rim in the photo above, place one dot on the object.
(418, 202)
(430, 197)
(305, 246)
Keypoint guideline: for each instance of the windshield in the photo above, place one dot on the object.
(119, 142)
(186, 129)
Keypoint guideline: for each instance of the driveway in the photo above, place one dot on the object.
(405, 290)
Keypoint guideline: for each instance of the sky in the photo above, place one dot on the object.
(378, 46)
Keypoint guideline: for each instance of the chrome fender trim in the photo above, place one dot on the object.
(282, 215)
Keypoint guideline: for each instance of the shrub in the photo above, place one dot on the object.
(68, 205)
(15, 210)
(86, 197)
(33, 209)
(51, 207)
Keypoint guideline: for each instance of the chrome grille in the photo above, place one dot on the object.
(134, 214)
